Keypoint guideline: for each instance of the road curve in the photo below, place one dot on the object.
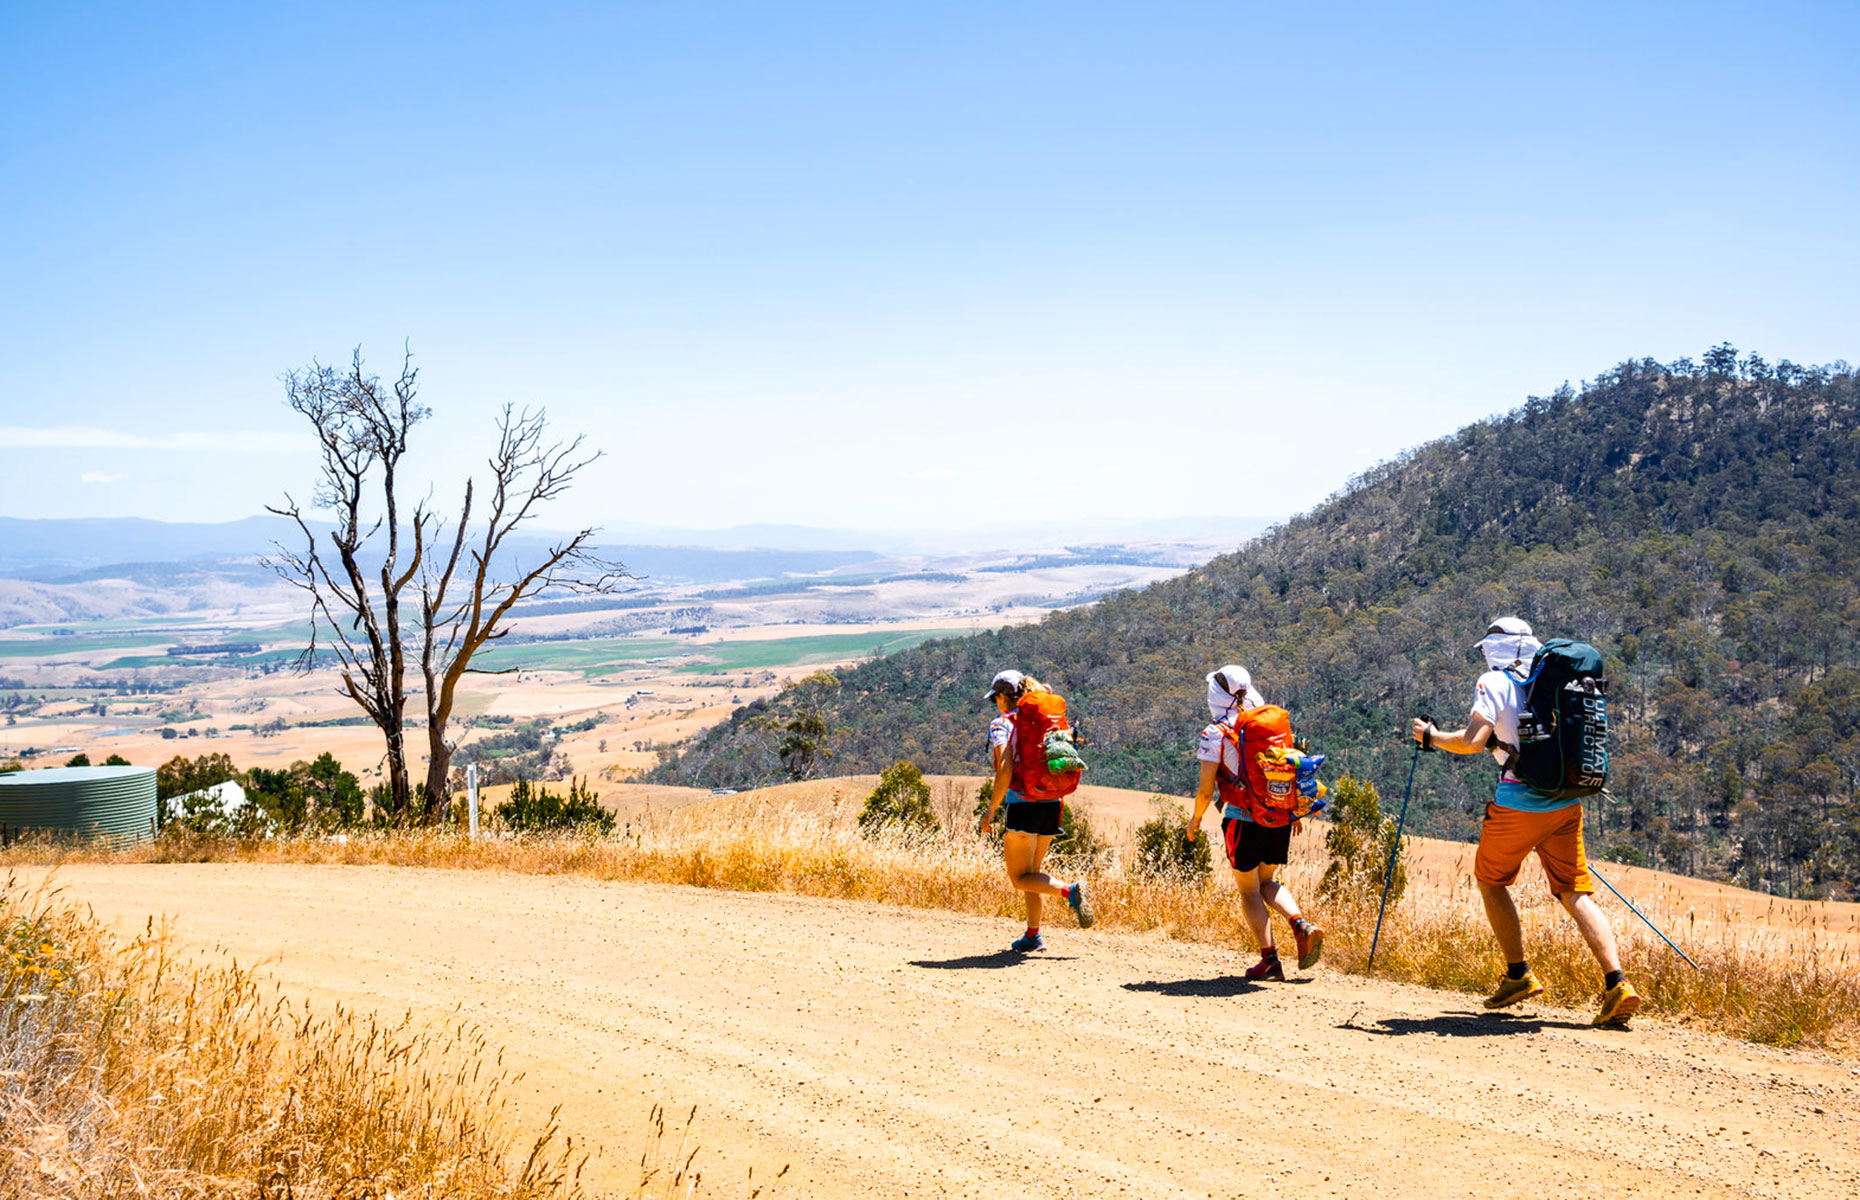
(895, 1052)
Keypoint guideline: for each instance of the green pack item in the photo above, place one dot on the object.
(1061, 753)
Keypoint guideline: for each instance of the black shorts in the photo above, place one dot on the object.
(1249, 844)
(1035, 816)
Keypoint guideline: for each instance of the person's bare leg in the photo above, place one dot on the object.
(1277, 894)
(1253, 907)
(1024, 853)
(1595, 928)
(1503, 915)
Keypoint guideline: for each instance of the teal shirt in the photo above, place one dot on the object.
(1512, 794)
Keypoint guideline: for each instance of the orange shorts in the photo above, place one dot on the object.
(1509, 834)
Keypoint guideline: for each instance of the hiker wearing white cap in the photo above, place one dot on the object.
(1026, 710)
(1255, 851)
(1520, 819)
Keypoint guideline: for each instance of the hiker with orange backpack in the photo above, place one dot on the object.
(1036, 767)
(1248, 741)
(1541, 710)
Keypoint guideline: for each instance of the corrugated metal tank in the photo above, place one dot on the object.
(117, 803)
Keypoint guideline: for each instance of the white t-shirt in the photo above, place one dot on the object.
(1216, 747)
(1001, 733)
(1499, 698)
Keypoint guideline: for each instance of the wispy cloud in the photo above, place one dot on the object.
(78, 437)
(98, 477)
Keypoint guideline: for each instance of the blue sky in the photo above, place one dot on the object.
(878, 265)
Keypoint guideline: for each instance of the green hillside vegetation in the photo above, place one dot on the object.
(1695, 521)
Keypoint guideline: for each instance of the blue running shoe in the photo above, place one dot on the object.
(1027, 942)
(1081, 904)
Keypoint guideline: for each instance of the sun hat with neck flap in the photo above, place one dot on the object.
(1508, 644)
(1231, 689)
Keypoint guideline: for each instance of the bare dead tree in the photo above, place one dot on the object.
(362, 431)
(356, 604)
(526, 471)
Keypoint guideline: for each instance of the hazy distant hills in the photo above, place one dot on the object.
(84, 549)
(54, 571)
(1696, 521)
(48, 549)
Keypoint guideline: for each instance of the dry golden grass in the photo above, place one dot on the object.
(125, 1071)
(1799, 990)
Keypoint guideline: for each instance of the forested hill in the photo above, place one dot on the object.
(1698, 522)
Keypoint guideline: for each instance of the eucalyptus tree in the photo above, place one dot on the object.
(394, 588)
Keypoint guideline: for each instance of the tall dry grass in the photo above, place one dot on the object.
(1798, 989)
(125, 1071)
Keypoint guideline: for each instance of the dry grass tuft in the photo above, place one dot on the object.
(1798, 989)
(127, 1072)
(124, 1071)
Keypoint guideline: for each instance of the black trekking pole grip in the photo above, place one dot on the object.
(1427, 740)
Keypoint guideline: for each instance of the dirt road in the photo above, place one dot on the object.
(894, 1052)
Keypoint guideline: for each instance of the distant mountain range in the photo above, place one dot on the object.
(84, 549)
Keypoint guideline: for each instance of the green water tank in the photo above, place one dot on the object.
(117, 803)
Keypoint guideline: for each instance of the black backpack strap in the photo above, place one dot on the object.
(1511, 754)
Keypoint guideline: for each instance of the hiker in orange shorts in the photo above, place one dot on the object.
(1520, 819)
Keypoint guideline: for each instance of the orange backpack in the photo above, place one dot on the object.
(1038, 714)
(1269, 798)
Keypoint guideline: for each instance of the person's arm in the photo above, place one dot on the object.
(1004, 775)
(1204, 792)
(1470, 740)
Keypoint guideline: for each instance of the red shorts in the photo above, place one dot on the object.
(1509, 834)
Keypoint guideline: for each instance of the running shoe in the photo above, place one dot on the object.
(1618, 1004)
(1310, 941)
(1266, 968)
(1081, 904)
(1514, 991)
(1027, 942)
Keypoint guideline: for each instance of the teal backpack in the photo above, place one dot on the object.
(1563, 724)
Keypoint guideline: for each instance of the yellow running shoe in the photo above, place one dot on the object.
(1618, 1004)
(1514, 991)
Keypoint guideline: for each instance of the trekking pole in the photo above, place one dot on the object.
(1643, 916)
(1388, 874)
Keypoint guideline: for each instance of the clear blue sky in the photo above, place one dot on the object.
(861, 264)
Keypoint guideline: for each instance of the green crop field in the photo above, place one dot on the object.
(121, 625)
(592, 656)
(599, 656)
(800, 651)
(46, 647)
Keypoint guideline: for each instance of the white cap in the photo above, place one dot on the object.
(1005, 681)
(1507, 627)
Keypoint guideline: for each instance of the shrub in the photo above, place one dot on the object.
(1162, 852)
(319, 793)
(1078, 839)
(901, 798)
(1360, 842)
(1622, 852)
(116, 760)
(532, 809)
(80, 759)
